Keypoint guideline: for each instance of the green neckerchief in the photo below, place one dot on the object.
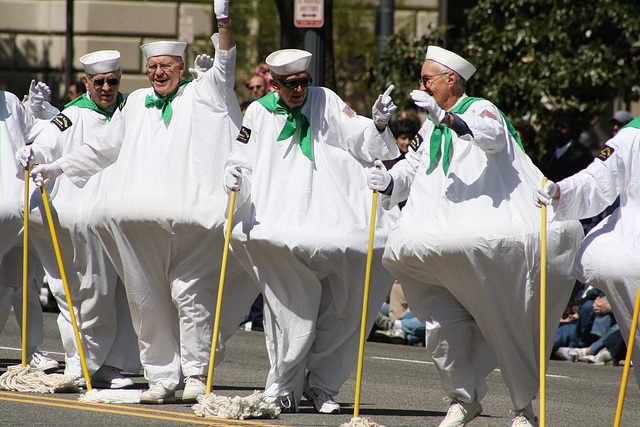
(635, 123)
(83, 101)
(439, 130)
(164, 102)
(295, 120)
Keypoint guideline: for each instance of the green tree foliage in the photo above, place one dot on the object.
(536, 56)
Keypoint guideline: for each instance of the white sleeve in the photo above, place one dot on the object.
(590, 191)
(487, 127)
(243, 153)
(405, 170)
(95, 154)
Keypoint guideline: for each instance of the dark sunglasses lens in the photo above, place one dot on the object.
(111, 82)
(292, 84)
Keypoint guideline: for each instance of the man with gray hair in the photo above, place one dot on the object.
(467, 246)
(98, 296)
(162, 215)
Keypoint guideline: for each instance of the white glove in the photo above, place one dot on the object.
(543, 195)
(378, 179)
(201, 65)
(24, 155)
(424, 100)
(43, 174)
(38, 93)
(383, 108)
(221, 8)
(232, 178)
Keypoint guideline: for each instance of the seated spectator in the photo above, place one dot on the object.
(396, 324)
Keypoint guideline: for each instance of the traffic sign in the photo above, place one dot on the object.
(309, 13)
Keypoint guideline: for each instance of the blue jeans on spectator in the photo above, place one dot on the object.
(411, 326)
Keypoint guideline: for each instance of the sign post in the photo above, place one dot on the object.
(309, 14)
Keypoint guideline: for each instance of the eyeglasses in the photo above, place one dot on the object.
(151, 68)
(424, 80)
(110, 82)
(293, 84)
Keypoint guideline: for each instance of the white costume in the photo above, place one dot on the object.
(97, 294)
(161, 219)
(17, 127)
(608, 256)
(467, 252)
(305, 226)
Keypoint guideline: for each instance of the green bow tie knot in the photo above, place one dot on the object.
(164, 102)
(295, 120)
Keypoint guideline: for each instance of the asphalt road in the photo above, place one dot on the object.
(399, 388)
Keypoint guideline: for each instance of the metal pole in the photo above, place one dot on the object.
(313, 43)
(68, 75)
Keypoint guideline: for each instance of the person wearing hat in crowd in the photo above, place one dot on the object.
(619, 120)
(305, 146)
(467, 246)
(96, 292)
(162, 214)
(20, 123)
(608, 256)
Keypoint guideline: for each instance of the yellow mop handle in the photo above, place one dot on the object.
(627, 360)
(543, 309)
(25, 267)
(223, 272)
(56, 247)
(365, 304)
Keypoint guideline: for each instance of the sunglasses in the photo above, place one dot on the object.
(293, 84)
(100, 82)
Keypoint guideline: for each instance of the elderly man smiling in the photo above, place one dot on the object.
(161, 216)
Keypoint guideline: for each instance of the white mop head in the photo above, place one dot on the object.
(236, 408)
(111, 396)
(26, 379)
(360, 422)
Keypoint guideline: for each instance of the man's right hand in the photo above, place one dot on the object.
(43, 174)
(232, 178)
(23, 156)
(378, 177)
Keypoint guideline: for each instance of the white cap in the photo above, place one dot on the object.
(102, 61)
(163, 49)
(622, 117)
(450, 60)
(288, 61)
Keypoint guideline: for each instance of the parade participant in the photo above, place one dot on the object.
(305, 146)
(161, 217)
(607, 257)
(102, 312)
(19, 125)
(467, 246)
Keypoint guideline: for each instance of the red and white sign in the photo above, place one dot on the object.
(309, 13)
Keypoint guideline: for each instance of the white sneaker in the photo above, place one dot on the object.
(110, 377)
(158, 394)
(460, 413)
(567, 353)
(321, 400)
(40, 361)
(286, 403)
(194, 386)
(391, 336)
(525, 418)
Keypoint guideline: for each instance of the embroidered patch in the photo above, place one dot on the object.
(62, 122)
(121, 106)
(244, 135)
(605, 153)
(487, 113)
(416, 142)
(348, 111)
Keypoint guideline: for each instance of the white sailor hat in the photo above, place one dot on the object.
(450, 60)
(102, 61)
(288, 61)
(164, 48)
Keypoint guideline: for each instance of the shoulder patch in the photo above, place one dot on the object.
(605, 153)
(487, 113)
(121, 106)
(62, 122)
(244, 135)
(348, 111)
(416, 142)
